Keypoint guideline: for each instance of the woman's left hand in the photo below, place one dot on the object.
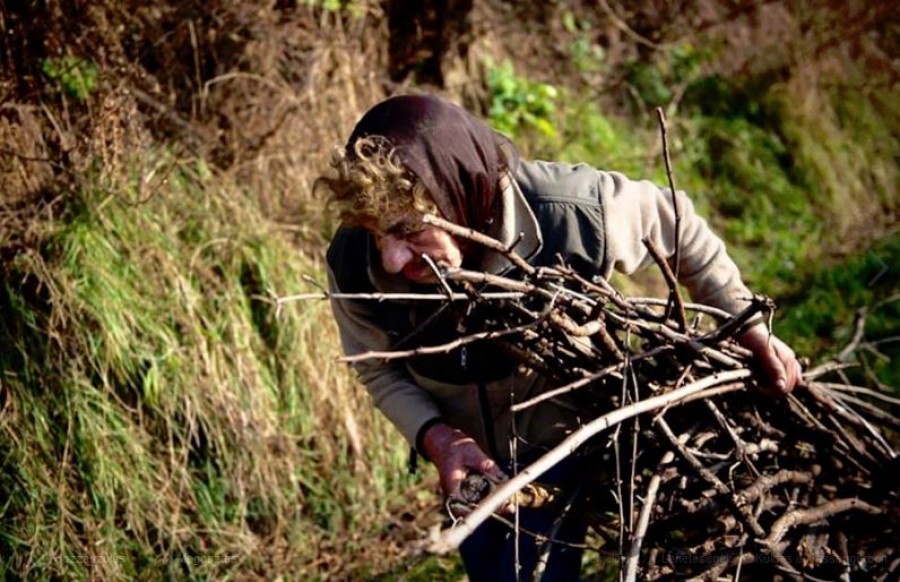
(777, 367)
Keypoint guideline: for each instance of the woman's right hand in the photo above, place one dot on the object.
(456, 454)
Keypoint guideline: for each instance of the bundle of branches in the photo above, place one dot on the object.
(712, 478)
(717, 478)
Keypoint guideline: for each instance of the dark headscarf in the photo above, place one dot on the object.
(456, 156)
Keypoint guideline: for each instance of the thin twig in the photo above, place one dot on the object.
(455, 296)
(671, 279)
(438, 273)
(766, 482)
(858, 332)
(637, 539)
(661, 117)
(551, 536)
(835, 387)
(567, 388)
(482, 239)
(437, 349)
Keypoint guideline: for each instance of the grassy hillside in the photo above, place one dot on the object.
(161, 420)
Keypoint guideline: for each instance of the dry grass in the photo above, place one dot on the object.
(157, 417)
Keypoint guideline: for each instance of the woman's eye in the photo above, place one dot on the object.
(414, 234)
(406, 230)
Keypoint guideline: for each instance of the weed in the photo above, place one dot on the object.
(588, 56)
(518, 104)
(355, 8)
(77, 77)
(657, 82)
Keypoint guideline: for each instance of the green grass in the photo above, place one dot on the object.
(820, 319)
(159, 420)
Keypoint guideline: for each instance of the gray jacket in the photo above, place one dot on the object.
(597, 221)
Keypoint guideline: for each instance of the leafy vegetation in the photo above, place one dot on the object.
(76, 77)
(823, 313)
(518, 104)
(356, 8)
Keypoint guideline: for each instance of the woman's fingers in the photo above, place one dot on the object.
(777, 366)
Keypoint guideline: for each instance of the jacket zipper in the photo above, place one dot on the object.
(488, 419)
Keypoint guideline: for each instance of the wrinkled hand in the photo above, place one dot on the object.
(455, 454)
(778, 370)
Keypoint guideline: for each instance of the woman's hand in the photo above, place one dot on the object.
(778, 370)
(455, 454)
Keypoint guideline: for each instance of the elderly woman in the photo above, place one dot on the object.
(411, 155)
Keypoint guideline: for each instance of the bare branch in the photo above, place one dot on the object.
(672, 281)
(814, 514)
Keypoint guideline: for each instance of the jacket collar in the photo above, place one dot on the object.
(514, 225)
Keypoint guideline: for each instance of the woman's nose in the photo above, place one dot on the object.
(395, 254)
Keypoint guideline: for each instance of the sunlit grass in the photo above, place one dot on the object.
(159, 419)
(822, 317)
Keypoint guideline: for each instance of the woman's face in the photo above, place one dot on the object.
(403, 244)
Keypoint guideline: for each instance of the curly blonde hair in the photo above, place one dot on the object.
(371, 187)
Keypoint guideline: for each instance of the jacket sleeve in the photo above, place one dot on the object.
(636, 210)
(403, 402)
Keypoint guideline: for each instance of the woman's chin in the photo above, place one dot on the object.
(420, 273)
(421, 277)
